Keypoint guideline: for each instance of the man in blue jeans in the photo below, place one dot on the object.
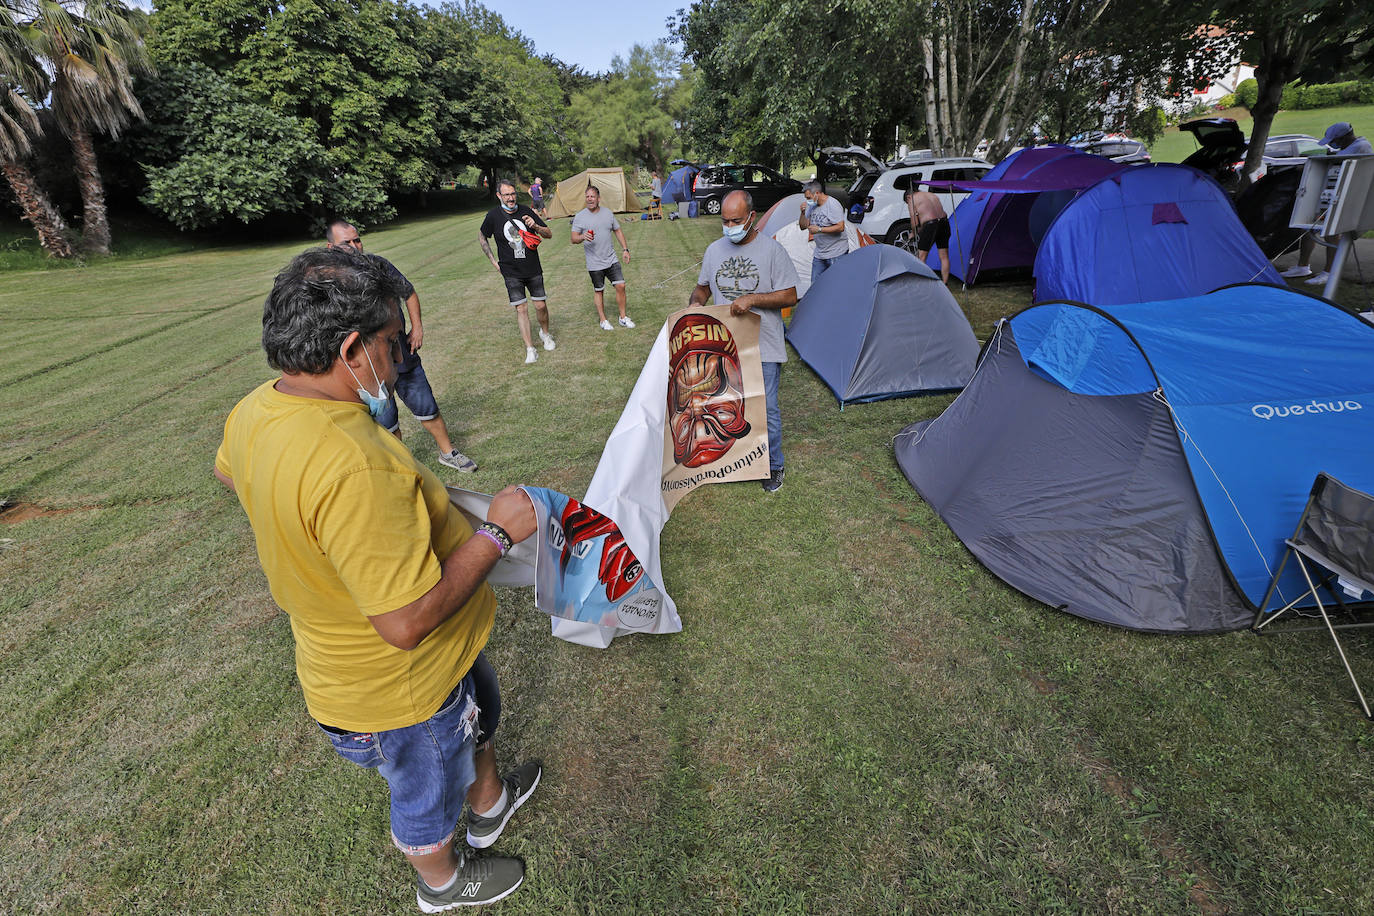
(823, 218)
(412, 385)
(383, 578)
(752, 272)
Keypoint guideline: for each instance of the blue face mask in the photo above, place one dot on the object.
(736, 234)
(376, 403)
(510, 209)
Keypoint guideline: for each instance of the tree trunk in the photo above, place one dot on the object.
(1281, 57)
(95, 235)
(955, 96)
(39, 211)
(1001, 142)
(932, 121)
(946, 122)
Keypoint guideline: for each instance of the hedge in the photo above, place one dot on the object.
(1298, 96)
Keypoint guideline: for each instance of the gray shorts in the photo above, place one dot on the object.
(614, 273)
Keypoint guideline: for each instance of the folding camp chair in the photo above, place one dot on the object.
(1334, 548)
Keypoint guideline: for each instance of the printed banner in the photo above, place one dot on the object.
(717, 422)
(584, 570)
(700, 397)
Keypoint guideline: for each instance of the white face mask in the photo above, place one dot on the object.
(376, 403)
(736, 234)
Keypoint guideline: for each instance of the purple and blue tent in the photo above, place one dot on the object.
(999, 225)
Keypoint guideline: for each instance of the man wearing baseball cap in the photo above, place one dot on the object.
(1341, 140)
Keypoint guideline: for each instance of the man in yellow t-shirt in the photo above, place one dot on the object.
(383, 579)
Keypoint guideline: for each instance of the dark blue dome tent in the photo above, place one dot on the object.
(879, 324)
(1148, 232)
(1140, 465)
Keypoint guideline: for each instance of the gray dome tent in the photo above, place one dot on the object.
(879, 324)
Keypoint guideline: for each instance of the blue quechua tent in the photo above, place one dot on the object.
(880, 324)
(1141, 465)
(1148, 232)
(678, 187)
(999, 225)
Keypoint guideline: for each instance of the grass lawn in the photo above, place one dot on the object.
(857, 718)
(1175, 145)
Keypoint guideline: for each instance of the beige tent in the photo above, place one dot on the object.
(616, 192)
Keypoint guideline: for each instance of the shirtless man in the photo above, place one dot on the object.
(930, 226)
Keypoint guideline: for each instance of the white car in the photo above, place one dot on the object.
(884, 212)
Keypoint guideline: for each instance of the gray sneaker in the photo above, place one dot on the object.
(520, 783)
(484, 880)
(774, 482)
(458, 461)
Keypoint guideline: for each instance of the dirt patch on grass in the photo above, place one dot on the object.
(14, 513)
(1043, 685)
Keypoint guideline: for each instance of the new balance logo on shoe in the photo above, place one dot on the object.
(472, 888)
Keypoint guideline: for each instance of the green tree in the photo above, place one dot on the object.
(779, 80)
(503, 102)
(635, 114)
(233, 159)
(1281, 37)
(347, 74)
(367, 99)
(24, 79)
(775, 82)
(89, 48)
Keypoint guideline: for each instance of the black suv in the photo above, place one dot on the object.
(766, 186)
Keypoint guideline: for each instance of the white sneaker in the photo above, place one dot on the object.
(1317, 279)
(1296, 271)
(531, 355)
(625, 321)
(606, 325)
(547, 338)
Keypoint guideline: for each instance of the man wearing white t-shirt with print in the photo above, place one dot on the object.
(751, 272)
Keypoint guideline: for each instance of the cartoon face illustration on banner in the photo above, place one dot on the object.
(619, 569)
(705, 390)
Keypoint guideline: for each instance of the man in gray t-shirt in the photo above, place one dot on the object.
(591, 228)
(752, 272)
(822, 215)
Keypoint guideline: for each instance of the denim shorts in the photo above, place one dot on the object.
(427, 766)
(614, 273)
(515, 288)
(412, 387)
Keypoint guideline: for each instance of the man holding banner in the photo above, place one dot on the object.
(383, 579)
(751, 272)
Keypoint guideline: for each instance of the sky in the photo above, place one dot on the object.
(560, 27)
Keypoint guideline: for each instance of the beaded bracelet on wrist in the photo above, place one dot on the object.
(487, 535)
(498, 536)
